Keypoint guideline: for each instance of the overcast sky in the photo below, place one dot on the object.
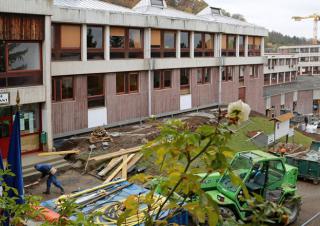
(274, 14)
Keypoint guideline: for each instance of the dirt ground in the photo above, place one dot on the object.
(71, 180)
(310, 202)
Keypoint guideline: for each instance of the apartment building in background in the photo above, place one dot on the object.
(308, 55)
(90, 63)
(285, 90)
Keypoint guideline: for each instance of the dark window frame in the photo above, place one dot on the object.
(228, 76)
(254, 71)
(59, 80)
(204, 70)
(127, 50)
(204, 52)
(242, 70)
(229, 51)
(162, 51)
(242, 47)
(97, 97)
(185, 86)
(57, 49)
(126, 82)
(96, 50)
(185, 52)
(162, 79)
(254, 49)
(35, 73)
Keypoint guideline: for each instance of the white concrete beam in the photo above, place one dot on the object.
(47, 106)
(178, 46)
(262, 46)
(84, 42)
(238, 46)
(246, 47)
(107, 43)
(192, 44)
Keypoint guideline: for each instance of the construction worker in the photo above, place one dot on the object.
(47, 169)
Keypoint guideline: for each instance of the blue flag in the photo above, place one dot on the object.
(15, 163)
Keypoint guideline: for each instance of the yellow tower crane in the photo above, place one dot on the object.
(316, 18)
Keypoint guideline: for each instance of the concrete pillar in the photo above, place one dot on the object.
(290, 76)
(107, 43)
(84, 43)
(47, 106)
(147, 43)
(238, 46)
(270, 80)
(217, 45)
(246, 47)
(220, 86)
(178, 46)
(262, 46)
(277, 78)
(192, 44)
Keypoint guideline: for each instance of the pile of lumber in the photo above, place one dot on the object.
(118, 163)
(99, 135)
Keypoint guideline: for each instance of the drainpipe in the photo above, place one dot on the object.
(220, 84)
(149, 93)
(147, 55)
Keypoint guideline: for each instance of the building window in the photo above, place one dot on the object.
(62, 88)
(163, 43)
(66, 42)
(241, 75)
(127, 82)
(203, 75)
(185, 44)
(267, 79)
(158, 3)
(95, 84)
(203, 45)
(228, 45)
(126, 43)
(273, 78)
(293, 75)
(254, 71)
(241, 45)
(185, 79)
(281, 77)
(20, 64)
(227, 73)
(254, 46)
(95, 43)
(162, 79)
(287, 77)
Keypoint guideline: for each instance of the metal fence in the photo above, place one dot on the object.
(313, 221)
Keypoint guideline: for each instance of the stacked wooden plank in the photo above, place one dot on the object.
(119, 163)
(99, 135)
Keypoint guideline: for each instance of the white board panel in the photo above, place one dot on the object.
(282, 129)
(97, 117)
(282, 99)
(316, 94)
(185, 102)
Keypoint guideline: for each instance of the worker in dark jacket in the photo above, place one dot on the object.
(47, 169)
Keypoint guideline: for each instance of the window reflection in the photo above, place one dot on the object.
(23, 56)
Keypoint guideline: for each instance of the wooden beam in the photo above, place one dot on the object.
(117, 170)
(113, 163)
(116, 154)
(59, 153)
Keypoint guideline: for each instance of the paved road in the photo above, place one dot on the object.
(310, 202)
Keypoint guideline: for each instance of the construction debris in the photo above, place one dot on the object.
(99, 135)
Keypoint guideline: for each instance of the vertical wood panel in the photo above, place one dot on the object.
(21, 27)
(72, 115)
(126, 106)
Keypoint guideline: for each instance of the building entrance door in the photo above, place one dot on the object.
(5, 132)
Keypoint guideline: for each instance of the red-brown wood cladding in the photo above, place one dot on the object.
(21, 27)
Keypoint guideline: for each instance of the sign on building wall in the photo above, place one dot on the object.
(4, 98)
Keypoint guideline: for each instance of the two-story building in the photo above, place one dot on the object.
(101, 64)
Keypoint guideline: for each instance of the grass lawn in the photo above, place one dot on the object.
(240, 142)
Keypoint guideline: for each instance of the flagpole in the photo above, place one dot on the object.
(18, 101)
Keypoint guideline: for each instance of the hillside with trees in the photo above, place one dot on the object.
(276, 39)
